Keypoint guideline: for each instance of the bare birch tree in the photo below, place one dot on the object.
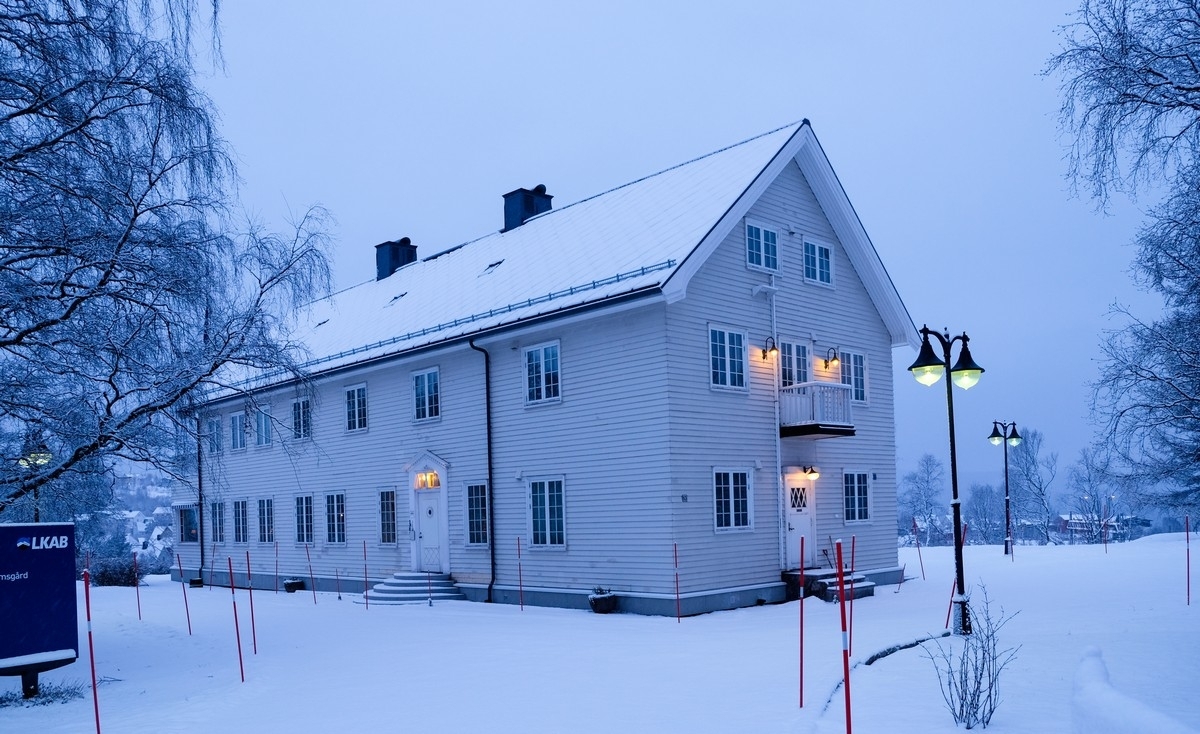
(1031, 476)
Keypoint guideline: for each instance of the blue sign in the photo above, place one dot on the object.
(37, 597)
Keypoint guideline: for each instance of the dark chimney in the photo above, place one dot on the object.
(391, 256)
(523, 204)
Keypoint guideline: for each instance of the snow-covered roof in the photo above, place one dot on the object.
(646, 237)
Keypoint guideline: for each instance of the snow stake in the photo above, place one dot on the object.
(801, 621)
(520, 576)
(678, 614)
(277, 566)
(250, 590)
(183, 585)
(311, 579)
(429, 584)
(845, 636)
(87, 602)
(137, 585)
(337, 580)
(1187, 535)
(853, 538)
(917, 538)
(366, 584)
(212, 567)
(236, 630)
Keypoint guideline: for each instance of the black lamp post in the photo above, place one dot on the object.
(33, 460)
(1006, 433)
(928, 369)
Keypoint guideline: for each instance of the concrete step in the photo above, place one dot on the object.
(414, 588)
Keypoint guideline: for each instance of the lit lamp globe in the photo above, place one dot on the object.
(928, 368)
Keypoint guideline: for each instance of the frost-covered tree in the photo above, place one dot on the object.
(924, 498)
(1031, 476)
(1131, 76)
(127, 288)
(983, 512)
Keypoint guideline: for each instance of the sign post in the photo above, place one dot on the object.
(38, 616)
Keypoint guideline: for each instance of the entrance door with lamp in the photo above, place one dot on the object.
(799, 513)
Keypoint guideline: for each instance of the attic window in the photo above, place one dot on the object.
(491, 267)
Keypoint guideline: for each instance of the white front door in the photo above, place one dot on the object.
(798, 504)
(429, 531)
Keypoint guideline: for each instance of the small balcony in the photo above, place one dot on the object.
(815, 410)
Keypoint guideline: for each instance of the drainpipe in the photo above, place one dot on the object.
(778, 448)
(199, 497)
(487, 403)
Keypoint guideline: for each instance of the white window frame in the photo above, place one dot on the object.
(427, 395)
(721, 373)
(470, 500)
(356, 407)
(384, 520)
(266, 520)
(215, 435)
(794, 367)
(262, 427)
(301, 419)
(217, 525)
(537, 367)
(241, 521)
(731, 473)
(335, 518)
(762, 247)
(305, 529)
(861, 501)
(814, 250)
(547, 536)
(853, 372)
(237, 430)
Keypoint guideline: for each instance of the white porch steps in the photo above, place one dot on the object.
(412, 587)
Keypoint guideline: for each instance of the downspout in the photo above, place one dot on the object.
(199, 498)
(491, 506)
(782, 513)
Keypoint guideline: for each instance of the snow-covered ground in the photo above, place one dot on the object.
(460, 666)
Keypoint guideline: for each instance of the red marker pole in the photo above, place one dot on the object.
(520, 576)
(366, 584)
(801, 621)
(137, 586)
(250, 589)
(853, 538)
(237, 630)
(678, 608)
(183, 585)
(277, 567)
(845, 635)
(311, 579)
(87, 602)
(917, 537)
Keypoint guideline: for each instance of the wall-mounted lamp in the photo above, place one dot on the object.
(428, 480)
(769, 349)
(831, 358)
(811, 472)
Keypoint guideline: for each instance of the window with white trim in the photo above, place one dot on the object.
(217, 513)
(335, 518)
(356, 408)
(854, 374)
(477, 517)
(762, 250)
(387, 516)
(426, 395)
(262, 428)
(856, 494)
(793, 363)
(548, 521)
(213, 429)
(732, 495)
(241, 525)
(542, 376)
(189, 529)
(818, 263)
(304, 519)
(237, 430)
(266, 521)
(727, 356)
(301, 419)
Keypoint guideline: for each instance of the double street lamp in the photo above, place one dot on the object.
(1006, 433)
(928, 369)
(33, 460)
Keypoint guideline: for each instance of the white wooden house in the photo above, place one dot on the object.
(632, 392)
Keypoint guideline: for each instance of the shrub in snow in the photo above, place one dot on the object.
(48, 693)
(968, 667)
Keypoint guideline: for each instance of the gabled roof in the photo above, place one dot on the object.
(646, 238)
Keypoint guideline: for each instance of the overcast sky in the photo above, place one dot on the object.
(411, 119)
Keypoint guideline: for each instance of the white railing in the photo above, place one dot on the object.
(824, 403)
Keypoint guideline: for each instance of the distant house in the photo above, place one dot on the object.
(676, 379)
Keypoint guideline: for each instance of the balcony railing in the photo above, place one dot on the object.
(816, 406)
